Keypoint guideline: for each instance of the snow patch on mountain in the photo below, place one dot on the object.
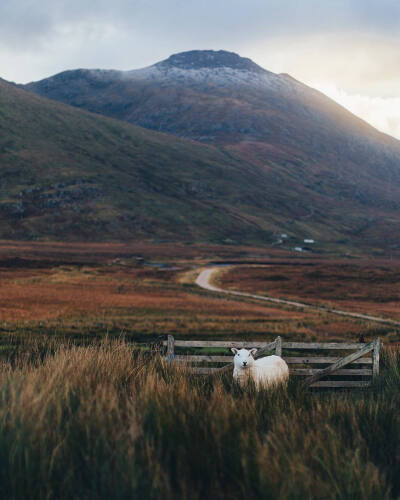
(219, 77)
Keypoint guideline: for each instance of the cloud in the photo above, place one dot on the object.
(31, 24)
(359, 71)
(352, 45)
(352, 61)
(382, 113)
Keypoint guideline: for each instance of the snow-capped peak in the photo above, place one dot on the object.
(199, 67)
(211, 59)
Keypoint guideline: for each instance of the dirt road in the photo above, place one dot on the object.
(204, 281)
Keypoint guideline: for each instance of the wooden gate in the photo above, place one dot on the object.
(355, 365)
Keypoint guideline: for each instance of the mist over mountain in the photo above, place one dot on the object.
(302, 164)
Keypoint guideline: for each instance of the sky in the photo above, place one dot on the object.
(348, 49)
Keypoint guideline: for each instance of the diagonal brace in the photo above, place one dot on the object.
(340, 363)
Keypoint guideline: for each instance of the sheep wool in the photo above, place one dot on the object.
(266, 371)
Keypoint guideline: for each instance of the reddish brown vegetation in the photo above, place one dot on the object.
(67, 292)
(103, 252)
(370, 287)
(100, 288)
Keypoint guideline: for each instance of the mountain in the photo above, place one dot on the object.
(217, 96)
(316, 169)
(300, 164)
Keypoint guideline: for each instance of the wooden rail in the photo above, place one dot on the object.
(308, 365)
(255, 343)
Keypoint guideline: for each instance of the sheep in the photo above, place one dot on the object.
(266, 371)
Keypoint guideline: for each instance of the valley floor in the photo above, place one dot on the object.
(208, 276)
(143, 291)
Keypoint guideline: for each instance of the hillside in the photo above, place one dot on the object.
(69, 174)
(321, 163)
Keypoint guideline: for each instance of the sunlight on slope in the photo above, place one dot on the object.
(381, 112)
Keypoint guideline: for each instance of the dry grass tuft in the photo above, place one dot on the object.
(104, 421)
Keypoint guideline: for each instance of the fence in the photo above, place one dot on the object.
(311, 360)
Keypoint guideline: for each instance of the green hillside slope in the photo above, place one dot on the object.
(69, 174)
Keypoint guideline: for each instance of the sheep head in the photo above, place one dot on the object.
(243, 359)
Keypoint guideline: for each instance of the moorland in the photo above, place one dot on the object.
(89, 407)
(143, 291)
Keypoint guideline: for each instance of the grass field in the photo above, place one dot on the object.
(144, 291)
(104, 421)
(85, 414)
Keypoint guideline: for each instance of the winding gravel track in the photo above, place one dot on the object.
(205, 276)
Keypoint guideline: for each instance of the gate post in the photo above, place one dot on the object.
(170, 348)
(375, 358)
(278, 346)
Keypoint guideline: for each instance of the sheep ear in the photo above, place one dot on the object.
(253, 351)
(234, 350)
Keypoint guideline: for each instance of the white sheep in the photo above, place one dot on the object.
(266, 371)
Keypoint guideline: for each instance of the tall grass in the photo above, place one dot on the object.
(104, 421)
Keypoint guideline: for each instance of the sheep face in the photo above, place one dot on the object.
(243, 358)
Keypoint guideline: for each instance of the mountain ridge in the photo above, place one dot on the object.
(192, 64)
(197, 59)
(310, 167)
